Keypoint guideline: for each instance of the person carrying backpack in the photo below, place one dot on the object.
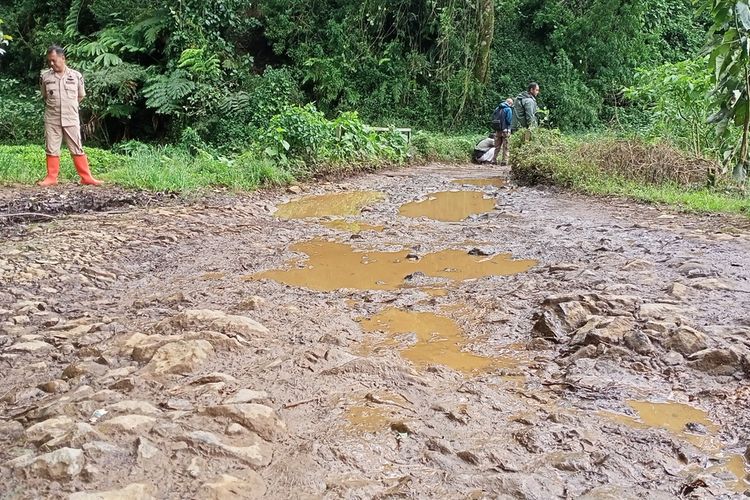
(524, 109)
(502, 118)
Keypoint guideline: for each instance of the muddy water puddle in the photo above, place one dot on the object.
(449, 206)
(334, 204)
(689, 424)
(425, 338)
(482, 182)
(332, 265)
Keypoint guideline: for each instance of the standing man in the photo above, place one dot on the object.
(502, 118)
(62, 90)
(524, 109)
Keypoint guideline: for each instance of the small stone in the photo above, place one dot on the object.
(294, 189)
(128, 424)
(253, 303)
(246, 396)
(679, 291)
(696, 428)
(146, 452)
(195, 467)
(135, 491)
(76, 437)
(54, 386)
(639, 342)
(179, 404)
(235, 429)
(11, 429)
(673, 358)
(84, 368)
(638, 265)
(104, 451)
(686, 341)
(227, 487)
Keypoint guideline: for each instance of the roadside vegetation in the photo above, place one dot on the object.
(187, 95)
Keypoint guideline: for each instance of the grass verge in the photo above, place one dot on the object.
(654, 173)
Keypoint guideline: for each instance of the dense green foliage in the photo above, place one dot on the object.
(224, 68)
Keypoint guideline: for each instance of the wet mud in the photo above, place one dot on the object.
(431, 332)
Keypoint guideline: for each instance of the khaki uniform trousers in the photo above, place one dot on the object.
(54, 133)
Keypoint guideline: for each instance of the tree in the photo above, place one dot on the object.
(729, 49)
(4, 39)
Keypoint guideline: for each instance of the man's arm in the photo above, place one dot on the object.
(529, 106)
(81, 89)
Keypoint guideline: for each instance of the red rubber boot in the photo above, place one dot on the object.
(81, 163)
(53, 169)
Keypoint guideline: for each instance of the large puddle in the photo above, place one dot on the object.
(449, 206)
(332, 265)
(427, 339)
(341, 204)
(689, 424)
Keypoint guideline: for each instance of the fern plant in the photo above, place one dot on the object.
(164, 93)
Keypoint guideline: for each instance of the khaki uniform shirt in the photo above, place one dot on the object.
(61, 96)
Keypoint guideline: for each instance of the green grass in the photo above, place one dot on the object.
(701, 200)
(430, 146)
(165, 169)
(550, 158)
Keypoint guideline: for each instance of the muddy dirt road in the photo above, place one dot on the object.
(432, 332)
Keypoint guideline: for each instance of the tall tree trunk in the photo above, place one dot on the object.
(486, 12)
(740, 170)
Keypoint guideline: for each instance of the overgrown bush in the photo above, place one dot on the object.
(21, 113)
(429, 146)
(548, 157)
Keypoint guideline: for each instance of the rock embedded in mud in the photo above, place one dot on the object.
(49, 429)
(76, 437)
(31, 347)
(246, 396)
(639, 342)
(603, 330)
(686, 341)
(260, 419)
(134, 407)
(83, 369)
(147, 453)
(661, 311)
(127, 424)
(11, 429)
(227, 487)
(54, 386)
(180, 358)
(60, 465)
(256, 454)
(716, 361)
(216, 321)
(135, 491)
(253, 303)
